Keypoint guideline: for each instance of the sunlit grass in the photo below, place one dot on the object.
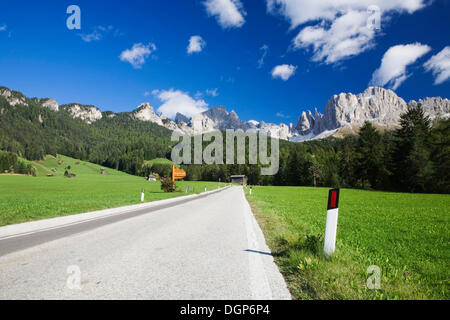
(26, 198)
(406, 235)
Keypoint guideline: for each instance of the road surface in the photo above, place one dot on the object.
(206, 248)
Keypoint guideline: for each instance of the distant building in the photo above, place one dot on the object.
(151, 178)
(239, 179)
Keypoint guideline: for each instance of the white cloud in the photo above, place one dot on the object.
(228, 13)
(347, 36)
(283, 71)
(3, 28)
(301, 11)
(439, 64)
(282, 115)
(265, 51)
(97, 33)
(178, 101)
(137, 54)
(196, 44)
(339, 29)
(212, 92)
(392, 71)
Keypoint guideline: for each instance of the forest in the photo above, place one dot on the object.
(413, 158)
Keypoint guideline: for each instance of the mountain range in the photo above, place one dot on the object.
(343, 114)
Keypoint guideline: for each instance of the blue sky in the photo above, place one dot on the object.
(311, 49)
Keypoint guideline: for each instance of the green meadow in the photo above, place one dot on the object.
(26, 198)
(406, 235)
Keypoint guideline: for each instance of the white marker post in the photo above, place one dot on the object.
(142, 196)
(331, 224)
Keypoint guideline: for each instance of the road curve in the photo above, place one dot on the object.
(206, 248)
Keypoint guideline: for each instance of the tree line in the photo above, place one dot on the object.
(413, 158)
(121, 142)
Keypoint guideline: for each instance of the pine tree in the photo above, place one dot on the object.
(369, 153)
(413, 169)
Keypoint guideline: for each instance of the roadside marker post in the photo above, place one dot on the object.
(142, 196)
(331, 223)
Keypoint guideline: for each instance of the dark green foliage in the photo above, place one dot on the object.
(414, 158)
(413, 169)
(369, 157)
(167, 185)
(120, 142)
(10, 163)
(162, 169)
(440, 155)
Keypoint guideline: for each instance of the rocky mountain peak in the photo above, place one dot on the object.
(14, 98)
(434, 106)
(87, 113)
(179, 118)
(50, 104)
(378, 105)
(145, 112)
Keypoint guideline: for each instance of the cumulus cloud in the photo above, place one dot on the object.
(228, 13)
(392, 71)
(301, 11)
(284, 71)
(439, 65)
(178, 101)
(347, 36)
(339, 29)
(137, 55)
(196, 44)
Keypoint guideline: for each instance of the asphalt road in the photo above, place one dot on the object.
(207, 248)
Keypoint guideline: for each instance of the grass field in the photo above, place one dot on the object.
(405, 235)
(26, 198)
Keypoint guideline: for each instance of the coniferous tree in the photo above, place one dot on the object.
(413, 169)
(369, 155)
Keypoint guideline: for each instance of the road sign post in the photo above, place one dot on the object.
(177, 174)
(142, 195)
(331, 223)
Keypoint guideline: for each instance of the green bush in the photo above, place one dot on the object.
(167, 185)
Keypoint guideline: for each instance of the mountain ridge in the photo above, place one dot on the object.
(343, 112)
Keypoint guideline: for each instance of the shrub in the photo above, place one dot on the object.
(167, 185)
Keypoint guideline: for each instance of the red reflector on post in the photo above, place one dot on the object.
(333, 199)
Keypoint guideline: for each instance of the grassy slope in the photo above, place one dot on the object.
(406, 235)
(25, 198)
(159, 160)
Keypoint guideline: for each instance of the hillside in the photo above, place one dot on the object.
(32, 129)
(343, 115)
(26, 198)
